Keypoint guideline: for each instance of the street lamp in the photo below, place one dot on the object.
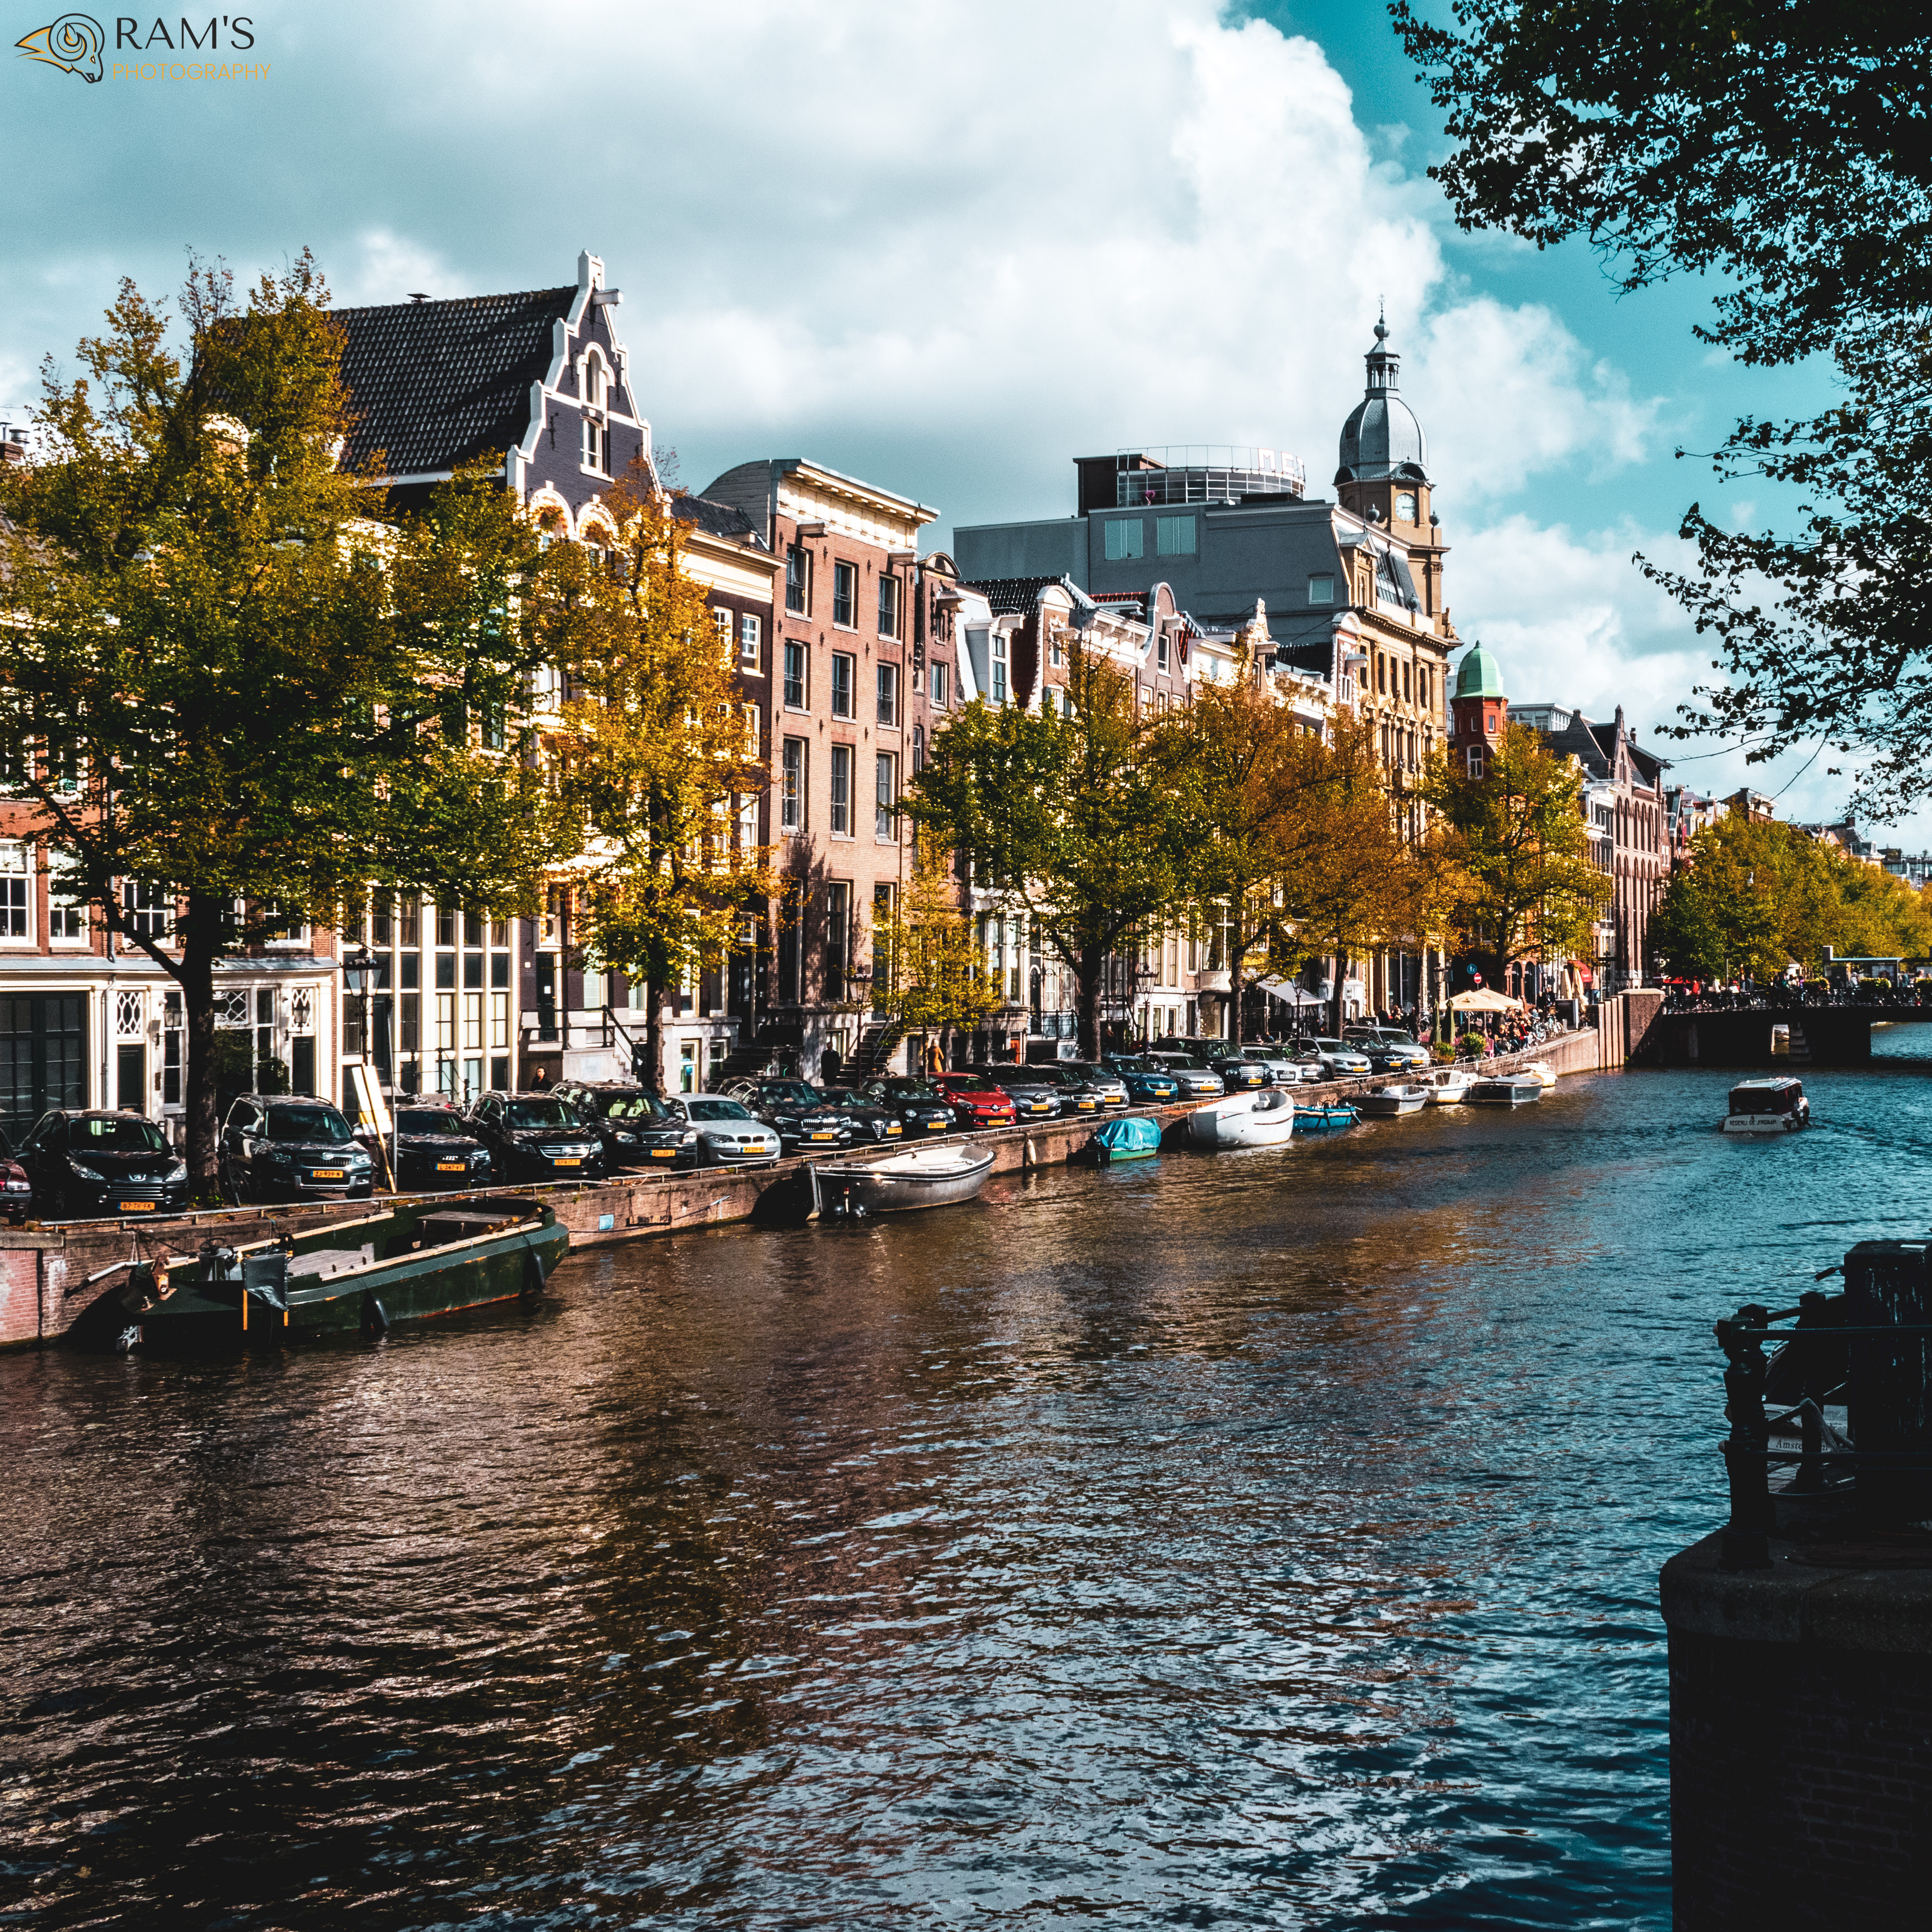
(358, 971)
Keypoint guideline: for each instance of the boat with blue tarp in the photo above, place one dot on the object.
(1134, 1137)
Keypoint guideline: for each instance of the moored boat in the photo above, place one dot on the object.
(1449, 1086)
(1505, 1089)
(1384, 1102)
(1327, 1116)
(1539, 1071)
(925, 1176)
(420, 1258)
(1266, 1119)
(1774, 1105)
(1133, 1137)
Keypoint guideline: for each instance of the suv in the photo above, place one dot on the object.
(104, 1163)
(536, 1136)
(435, 1149)
(636, 1128)
(284, 1148)
(801, 1115)
(1336, 1056)
(1388, 1049)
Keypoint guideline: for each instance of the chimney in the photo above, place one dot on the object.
(12, 444)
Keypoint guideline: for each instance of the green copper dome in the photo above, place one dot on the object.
(1478, 676)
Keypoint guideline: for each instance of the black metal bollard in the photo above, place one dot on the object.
(1747, 1540)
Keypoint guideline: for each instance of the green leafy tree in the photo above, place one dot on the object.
(929, 971)
(1065, 818)
(228, 681)
(1534, 892)
(1683, 933)
(657, 759)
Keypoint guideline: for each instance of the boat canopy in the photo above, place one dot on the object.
(1766, 1096)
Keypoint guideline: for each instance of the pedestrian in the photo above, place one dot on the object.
(540, 1079)
(831, 1064)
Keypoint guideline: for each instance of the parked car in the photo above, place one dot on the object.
(922, 1109)
(1240, 1071)
(1035, 1094)
(869, 1120)
(1109, 1086)
(975, 1101)
(536, 1136)
(1144, 1081)
(728, 1131)
(17, 1187)
(282, 1147)
(1196, 1082)
(1338, 1056)
(1388, 1048)
(635, 1128)
(435, 1149)
(79, 1163)
(800, 1113)
(1284, 1069)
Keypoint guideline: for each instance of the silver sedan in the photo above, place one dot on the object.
(728, 1130)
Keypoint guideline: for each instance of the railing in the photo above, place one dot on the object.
(1797, 998)
(1820, 1345)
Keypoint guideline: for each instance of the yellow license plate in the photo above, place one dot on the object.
(449, 1167)
(664, 1153)
(935, 1127)
(1084, 1106)
(893, 1127)
(327, 1173)
(568, 1160)
(137, 1207)
(824, 1137)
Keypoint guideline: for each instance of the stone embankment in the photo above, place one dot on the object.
(49, 1275)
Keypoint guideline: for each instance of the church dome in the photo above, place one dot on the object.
(1478, 676)
(1382, 442)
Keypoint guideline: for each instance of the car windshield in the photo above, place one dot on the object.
(128, 1135)
(533, 1116)
(632, 1107)
(790, 1093)
(1334, 1046)
(976, 1086)
(911, 1089)
(716, 1110)
(307, 1123)
(843, 1096)
(429, 1121)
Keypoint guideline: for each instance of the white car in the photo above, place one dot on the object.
(728, 1130)
(1282, 1070)
(1337, 1057)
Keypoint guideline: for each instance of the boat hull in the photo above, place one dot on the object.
(1266, 1119)
(1134, 1137)
(1766, 1124)
(1505, 1093)
(901, 1184)
(1386, 1102)
(1329, 1119)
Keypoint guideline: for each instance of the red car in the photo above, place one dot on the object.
(975, 1101)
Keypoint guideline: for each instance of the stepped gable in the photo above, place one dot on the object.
(438, 383)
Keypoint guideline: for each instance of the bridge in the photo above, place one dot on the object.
(1794, 1033)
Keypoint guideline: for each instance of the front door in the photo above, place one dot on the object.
(130, 1076)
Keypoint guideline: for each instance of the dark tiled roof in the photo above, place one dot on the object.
(437, 383)
(717, 520)
(1007, 595)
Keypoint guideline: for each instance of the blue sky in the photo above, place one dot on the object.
(948, 247)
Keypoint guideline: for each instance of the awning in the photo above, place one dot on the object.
(1484, 999)
(1292, 990)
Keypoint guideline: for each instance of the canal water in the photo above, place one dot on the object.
(1260, 1540)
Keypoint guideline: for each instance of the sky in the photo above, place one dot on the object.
(947, 247)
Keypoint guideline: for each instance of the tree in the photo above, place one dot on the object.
(1534, 892)
(929, 971)
(657, 761)
(1683, 933)
(1065, 818)
(1368, 872)
(228, 682)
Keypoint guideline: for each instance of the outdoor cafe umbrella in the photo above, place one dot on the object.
(1483, 1000)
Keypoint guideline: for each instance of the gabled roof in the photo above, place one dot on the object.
(717, 520)
(438, 383)
(1007, 595)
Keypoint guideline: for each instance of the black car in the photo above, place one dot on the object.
(868, 1121)
(282, 1148)
(1079, 1090)
(101, 1163)
(535, 1137)
(1034, 1094)
(924, 1111)
(636, 1128)
(435, 1149)
(798, 1111)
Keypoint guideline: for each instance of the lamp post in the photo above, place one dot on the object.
(357, 970)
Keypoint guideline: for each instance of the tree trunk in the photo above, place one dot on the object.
(1341, 974)
(200, 937)
(1234, 995)
(651, 1078)
(1087, 983)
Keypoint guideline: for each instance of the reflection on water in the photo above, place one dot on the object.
(1249, 1540)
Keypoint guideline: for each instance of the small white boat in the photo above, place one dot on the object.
(926, 1176)
(1775, 1105)
(1384, 1101)
(1449, 1086)
(1265, 1119)
(1506, 1090)
(1540, 1071)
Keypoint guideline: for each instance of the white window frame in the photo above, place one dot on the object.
(17, 892)
(751, 642)
(60, 907)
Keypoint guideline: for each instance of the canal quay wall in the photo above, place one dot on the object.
(1800, 1728)
(50, 1275)
(1838, 1036)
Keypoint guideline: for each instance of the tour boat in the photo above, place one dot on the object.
(1382, 1101)
(924, 1177)
(1132, 1137)
(418, 1258)
(1265, 1119)
(1449, 1086)
(1506, 1090)
(1774, 1105)
(1326, 1117)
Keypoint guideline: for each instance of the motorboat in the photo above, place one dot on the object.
(923, 1177)
(1380, 1102)
(1265, 1119)
(1329, 1116)
(417, 1258)
(1540, 1071)
(1131, 1137)
(1774, 1105)
(1449, 1086)
(1505, 1089)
